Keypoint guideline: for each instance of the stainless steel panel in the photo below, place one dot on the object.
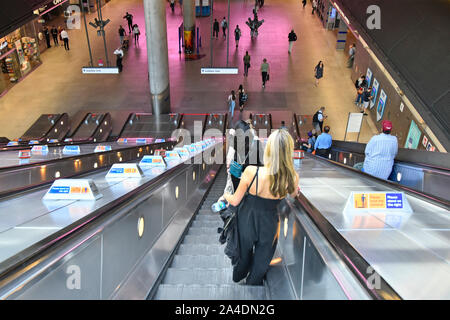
(60, 282)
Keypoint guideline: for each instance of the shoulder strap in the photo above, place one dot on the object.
(256, 176)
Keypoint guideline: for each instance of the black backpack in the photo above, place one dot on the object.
(316, 117)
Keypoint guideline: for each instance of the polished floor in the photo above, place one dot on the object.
(58, 85)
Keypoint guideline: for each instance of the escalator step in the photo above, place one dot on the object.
(200, 231)
(201, 249)
(201, 239)
(199, 276)
(210, 292)
(208, 217)
(190, 261)
(207, 224)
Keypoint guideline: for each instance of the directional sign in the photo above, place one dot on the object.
(42, 148)
(219, 70)
(102, 148)
(377, 201)
(71, 150)
(73, 189)
(152, 161)
(125, 170)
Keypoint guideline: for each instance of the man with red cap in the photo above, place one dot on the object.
(381, 152)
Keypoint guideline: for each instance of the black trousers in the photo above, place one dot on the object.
(130, 26)
(264, 78)
(257, 228)
(55, 40)
(224, 31)
(47, 39)
(66, 43)
(216, 33)
(323, 153)
(119, 63)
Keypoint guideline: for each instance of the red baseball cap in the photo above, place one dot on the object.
(387, 125)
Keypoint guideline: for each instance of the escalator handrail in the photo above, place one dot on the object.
(445, 204)
(434, 160)
(354, 261)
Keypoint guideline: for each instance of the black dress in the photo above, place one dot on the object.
(257, 221)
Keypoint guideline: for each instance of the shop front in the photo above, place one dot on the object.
(19, 55)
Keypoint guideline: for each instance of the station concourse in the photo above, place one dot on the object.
(107, 180)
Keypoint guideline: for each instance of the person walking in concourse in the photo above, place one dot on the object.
(119, 55)
(224, 27)
(237, 35)
(231, 106)
(47, 36)
(129, 18)
(122, 34)
(264, 72)
(216, 29)
(292, 37)
(304, 3)
(318, 72)
(136, 33)
(323, 143)
(380, 153)
(260, 191)
(65, 38)
(246, 63)
(54, 32)
(318, 118)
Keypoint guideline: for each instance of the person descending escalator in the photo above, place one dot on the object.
(257, 199)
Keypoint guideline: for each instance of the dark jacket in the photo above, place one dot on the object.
(292, 36)
(216, 25)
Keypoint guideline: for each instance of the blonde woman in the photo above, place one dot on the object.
(260, 191)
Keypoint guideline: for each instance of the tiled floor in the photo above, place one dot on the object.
(58, 85)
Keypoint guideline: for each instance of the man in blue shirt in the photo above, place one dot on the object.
(381, 152)
(323, 143)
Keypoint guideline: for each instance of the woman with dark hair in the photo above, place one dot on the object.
(245, 150)
(231, 106)
(318, 72)
(242, 98)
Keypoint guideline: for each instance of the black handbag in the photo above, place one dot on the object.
(230, 231)
(268, 77)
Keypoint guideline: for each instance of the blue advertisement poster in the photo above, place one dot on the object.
(375, 87)
(368, 77)
(381, 105)
(413, 138)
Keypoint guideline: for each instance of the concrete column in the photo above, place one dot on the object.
(157, 55)
(341, 36)
(189, 26)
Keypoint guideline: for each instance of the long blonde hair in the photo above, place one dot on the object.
(278, 161)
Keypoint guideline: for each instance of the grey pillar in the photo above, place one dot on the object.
(157, 55)
(189, 25)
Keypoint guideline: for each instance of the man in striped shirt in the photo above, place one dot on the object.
(380, 153)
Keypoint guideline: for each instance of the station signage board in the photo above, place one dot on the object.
(24, 154)
(160, 140)
(100, 70)
(71, 150)
(371, 201)
(172, 155)
(219, 71)
(13, 143)
(152, 161)
(73, 189)
(33, 142)
(41, 148)
(102, 148)
(183, 152)
(125, 170)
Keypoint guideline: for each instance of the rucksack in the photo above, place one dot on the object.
(316, 117)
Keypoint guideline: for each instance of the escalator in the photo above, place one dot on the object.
(200, 270)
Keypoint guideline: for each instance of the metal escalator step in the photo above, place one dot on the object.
(207, 224)
(201, 239)
(210, 292)
(199, 276)
(190, 261)
(200, 231)
(208, 217)
(201, 249)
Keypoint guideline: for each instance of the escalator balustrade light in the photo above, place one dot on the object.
(193, 175)
(62, 122)
(345, 160)
(120, 159)
(176, 192)
(399, 176)
(276, 261)
(57, 174)
(95, 165)
(285, 227)
(56, 129)
(140, 227)
(101, 130)
(204, 166)
(106, 122)
(95, 140)
(329, 156)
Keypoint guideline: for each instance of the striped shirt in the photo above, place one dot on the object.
(380, 154)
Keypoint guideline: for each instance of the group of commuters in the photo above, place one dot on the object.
(133, 29)
(57, 34)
